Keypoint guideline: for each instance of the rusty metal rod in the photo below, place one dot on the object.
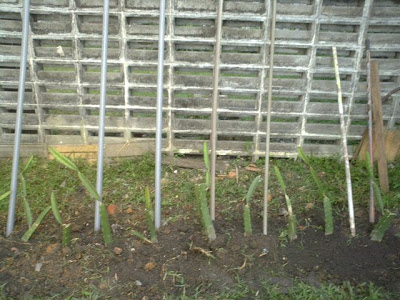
(370, 141)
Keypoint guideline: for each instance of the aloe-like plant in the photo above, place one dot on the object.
(105, 224)
(202, 204)
(66, 228)
(387, 216)
(27, 235)
(206, 159)
(326, 201)
(150, 215)
(292, 221)
(246, 209)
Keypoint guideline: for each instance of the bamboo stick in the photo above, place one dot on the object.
(344, 142)
(268, 133)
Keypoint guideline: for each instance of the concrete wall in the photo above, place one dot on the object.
(62, 90)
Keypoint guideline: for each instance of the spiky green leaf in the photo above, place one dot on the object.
(328, 216)
(27, 235)
(247, 221)
(206, 156)
(292, 227)
(27, 165)
(66, 237)
(63, 159)
(150, 215)
(252, 188)
(280, 179)
(380, 228)
(23, 185)
(318, 183)
(105, 225)
(368, 166)
(5, 195)
(201, 193)
(54, 207)
(303, 155)
(89, 186)
(378, 196)
(28, 212)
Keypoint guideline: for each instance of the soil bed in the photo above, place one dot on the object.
(183, 259)
(183, 263)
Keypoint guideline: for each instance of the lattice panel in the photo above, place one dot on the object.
(63, 78)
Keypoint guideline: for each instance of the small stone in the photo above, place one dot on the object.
(102, 286)
(66, 250)
(138, 283)
(112, 209)
(149, 266)
(129, 211)
(117, 250)
(253, 245)
(52, 248)
(78, 256)
(309, 206)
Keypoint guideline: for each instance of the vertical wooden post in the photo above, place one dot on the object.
(379, 137)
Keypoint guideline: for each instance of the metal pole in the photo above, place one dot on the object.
(268, 133)
(160, 83)
(344, 142)
(371, 155)
(102, 113)
(214, 113)
(18, 124)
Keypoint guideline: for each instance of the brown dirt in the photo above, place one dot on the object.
(179, 260)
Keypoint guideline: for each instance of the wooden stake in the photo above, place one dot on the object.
(379, 138)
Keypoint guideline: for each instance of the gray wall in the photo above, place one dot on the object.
(62, 90)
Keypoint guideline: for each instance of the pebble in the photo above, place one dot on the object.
(149, 266)
(117, 250)
(52, 248)
(66, 250)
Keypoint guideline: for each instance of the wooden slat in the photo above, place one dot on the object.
(379, 142)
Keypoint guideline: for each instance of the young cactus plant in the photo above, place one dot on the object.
(246, 209)
(292, 222)
(66, 228)
(201, 195)
(105, 224)
(387, 216)
(206, 159)
(326, 201)
(150, 215)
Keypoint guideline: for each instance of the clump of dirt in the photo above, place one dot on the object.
(184, 260)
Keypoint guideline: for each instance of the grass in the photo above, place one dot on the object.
(299, 291)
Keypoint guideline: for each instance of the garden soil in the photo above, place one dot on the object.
(183, 261)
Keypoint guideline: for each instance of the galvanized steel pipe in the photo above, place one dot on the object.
(102, 113)
(18, 124)
(160, 84)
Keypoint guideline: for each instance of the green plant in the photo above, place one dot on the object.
(326, 201)
(292, 222)
(105, 224)
(35, 225)
(206, 159)
(201, 195)
(150, 215)
(387, 217)
(66, 228)
(246, 209)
